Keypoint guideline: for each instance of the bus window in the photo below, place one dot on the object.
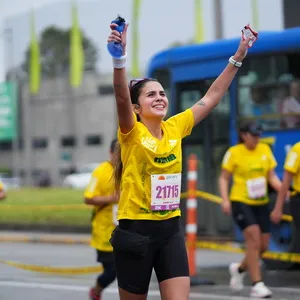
(211, 135)
(269, 91)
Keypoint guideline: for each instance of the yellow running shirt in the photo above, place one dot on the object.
(104, 218)
(144, 194)
(292, 165)
(250, 171)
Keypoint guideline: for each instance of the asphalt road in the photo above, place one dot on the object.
(20, 284)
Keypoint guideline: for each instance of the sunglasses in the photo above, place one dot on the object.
(133, 82)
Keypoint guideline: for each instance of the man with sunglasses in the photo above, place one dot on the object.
(251, 164)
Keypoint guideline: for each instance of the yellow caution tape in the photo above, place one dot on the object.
(224, 247)
(218, 200)
(201, 194)
(230, 247)
(54, 270)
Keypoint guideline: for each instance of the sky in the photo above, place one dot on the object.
(162, 22)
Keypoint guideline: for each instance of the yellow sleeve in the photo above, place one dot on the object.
(228, 162)
(129, 136)
(94, 187)
(184, 121)
(272, 159)
(292, 161)
(1, 186)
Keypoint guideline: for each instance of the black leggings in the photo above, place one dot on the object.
(109, 272)
(166, 254)
(245, 215)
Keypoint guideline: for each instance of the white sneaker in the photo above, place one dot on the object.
(237, 279)
(259, 290)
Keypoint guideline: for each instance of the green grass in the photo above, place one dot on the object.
(32, 206)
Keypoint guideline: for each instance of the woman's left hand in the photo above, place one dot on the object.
(242, 51)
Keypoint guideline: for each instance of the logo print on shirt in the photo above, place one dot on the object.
(164, 160)
(172, 143)
(149, 143)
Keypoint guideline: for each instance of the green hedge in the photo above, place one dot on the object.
(24, 207)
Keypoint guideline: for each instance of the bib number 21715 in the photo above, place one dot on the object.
(165, 191)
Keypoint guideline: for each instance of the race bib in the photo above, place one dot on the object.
(115, 214)
(257, 188)
(165, 191)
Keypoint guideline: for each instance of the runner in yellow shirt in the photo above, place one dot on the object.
(100, 193)
(291, 177)
(251, 164)
(2, 191)
(148, 174)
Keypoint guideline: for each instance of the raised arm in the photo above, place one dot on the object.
(122, 95)
(218, 89)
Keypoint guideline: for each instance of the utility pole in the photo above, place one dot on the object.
(218, 17)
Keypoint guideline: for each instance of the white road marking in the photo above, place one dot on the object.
(193, 295)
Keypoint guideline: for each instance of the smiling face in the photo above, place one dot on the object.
(152, 102)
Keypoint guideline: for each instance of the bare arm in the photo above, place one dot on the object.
(274, 180)
(218, 89)
(287, 179)
(121, 90)
(2, 195)
(224, 184)
(101, 200)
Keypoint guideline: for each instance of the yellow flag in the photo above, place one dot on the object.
(199, 26)
(76, 51)
(255, 15)
(34, 65)
(135, 69)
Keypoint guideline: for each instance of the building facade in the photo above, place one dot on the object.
(62, 128)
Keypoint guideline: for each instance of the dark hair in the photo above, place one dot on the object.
(112, 147)
(135, 89)
(251, 127)
(117, 165)
(135, 92)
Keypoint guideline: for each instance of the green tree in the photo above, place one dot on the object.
(54, 52)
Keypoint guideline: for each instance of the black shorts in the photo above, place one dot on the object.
(245, 215)
(105, 257)
(166, 253)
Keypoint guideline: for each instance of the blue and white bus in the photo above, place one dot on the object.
(265, 89)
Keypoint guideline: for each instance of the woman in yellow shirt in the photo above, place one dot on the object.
(251, 164)
(100, 193)
(291, 177)
(148, 173)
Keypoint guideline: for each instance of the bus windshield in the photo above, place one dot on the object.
(269, 90)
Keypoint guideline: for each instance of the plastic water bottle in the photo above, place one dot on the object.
(115, 49)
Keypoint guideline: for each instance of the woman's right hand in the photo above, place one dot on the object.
(116, 36)
(276, 215)
(226, 207)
